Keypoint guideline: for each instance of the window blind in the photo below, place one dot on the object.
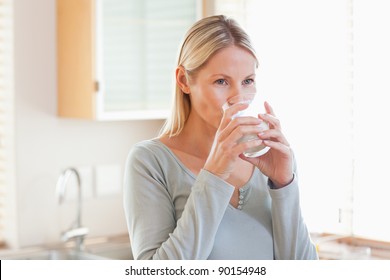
(6, 112)
(140, 40)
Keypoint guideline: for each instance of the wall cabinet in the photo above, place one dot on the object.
(116, 58)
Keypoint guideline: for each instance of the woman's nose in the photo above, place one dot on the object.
(236, 90)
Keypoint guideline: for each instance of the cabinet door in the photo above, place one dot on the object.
(76, 59)
(137, 43)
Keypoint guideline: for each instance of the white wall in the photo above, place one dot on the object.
(46, 144)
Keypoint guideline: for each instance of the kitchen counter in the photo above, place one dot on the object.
(113, 247)
(339, 247)
(329, 247)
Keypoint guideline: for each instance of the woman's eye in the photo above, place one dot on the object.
(248, 81)
(221, 82)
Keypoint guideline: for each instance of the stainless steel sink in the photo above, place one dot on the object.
(113, 252)
(116, 247)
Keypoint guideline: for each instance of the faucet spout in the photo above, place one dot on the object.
(77, 231)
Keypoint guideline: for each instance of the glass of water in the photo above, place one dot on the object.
(255, 107)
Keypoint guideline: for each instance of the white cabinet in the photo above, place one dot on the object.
(116, 58)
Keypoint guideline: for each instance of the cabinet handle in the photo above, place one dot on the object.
(96, 85)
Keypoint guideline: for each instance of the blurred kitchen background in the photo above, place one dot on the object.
(81, 81)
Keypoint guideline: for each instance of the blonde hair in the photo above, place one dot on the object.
(201, 42)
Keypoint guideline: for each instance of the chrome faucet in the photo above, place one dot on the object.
(76, 231)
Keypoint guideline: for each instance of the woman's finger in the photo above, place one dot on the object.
(230, 112)
(277, 146)
(239, 148)
(239, 127)
(271, 115)
(269, 109)
(274, 134)
(272, 120)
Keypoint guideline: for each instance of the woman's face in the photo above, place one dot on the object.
(231, 71)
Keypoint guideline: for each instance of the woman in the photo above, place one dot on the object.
(190, 193)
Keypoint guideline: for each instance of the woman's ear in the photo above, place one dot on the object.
(181, 79)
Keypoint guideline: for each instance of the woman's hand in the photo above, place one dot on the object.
(277, 163)
(226, 148)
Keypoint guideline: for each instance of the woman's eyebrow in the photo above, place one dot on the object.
(228, 77)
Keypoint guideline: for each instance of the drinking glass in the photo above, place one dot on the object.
(255, 107)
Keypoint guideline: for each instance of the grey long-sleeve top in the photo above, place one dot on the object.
(173, 214)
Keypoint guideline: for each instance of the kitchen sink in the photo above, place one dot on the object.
(112, 252)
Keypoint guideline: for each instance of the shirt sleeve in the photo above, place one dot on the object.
(291, 237)
(150, 214)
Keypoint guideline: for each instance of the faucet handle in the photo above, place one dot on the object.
(74, 232)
